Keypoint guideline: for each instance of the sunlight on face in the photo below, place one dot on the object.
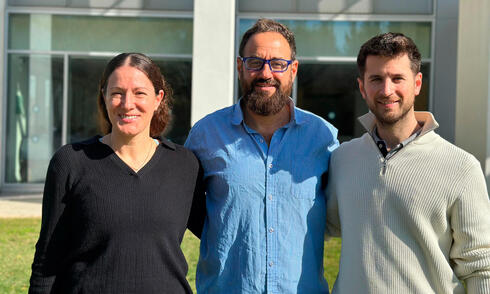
(131, 101)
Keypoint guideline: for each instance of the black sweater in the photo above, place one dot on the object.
(108, 229)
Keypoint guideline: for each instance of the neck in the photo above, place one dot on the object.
(394, 134)
(125, 144)
(266, 125)
(134, 151)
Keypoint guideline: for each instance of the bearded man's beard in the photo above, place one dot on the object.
(259, 102)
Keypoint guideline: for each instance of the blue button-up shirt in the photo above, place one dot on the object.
(265, 222)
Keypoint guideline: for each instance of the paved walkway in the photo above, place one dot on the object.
(18, 206)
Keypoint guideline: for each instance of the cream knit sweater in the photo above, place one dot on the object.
(416, 223)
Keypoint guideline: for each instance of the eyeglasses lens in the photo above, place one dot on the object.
(257, 64)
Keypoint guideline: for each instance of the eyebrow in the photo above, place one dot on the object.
(390, 75)
(137, 88)
(255, 56)
(374, 76)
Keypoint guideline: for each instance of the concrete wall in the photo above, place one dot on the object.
(445, 56)
(473, 70)
(212, 56)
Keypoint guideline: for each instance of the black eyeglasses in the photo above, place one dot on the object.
(275, 65)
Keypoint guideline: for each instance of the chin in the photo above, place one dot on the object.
(128, 132)
(389, 119)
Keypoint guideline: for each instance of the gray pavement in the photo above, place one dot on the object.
(20, 205)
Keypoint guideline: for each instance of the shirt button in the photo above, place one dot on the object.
(271, 230)
(261, 140)
(380, 145)
(270, 165)
(270, 197)
(271, 263)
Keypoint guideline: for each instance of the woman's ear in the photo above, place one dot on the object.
(159, 98)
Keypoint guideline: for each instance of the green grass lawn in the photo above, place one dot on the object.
(18, 237)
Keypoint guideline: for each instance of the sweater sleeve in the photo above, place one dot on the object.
(198, 209)
(470, 222)
(52, 233)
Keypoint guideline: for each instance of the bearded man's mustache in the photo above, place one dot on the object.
(268, 82)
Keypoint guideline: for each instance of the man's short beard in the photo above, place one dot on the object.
(260, 103)
(390, 121)
(387, 120)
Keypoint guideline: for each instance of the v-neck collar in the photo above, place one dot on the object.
(126, 168)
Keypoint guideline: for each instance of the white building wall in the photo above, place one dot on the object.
(212, 56)
(473, 71)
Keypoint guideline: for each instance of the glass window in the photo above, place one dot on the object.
(338, 6)
(178, 73)
(34, 111)
(316, 38)
(331, 91)
(84, 73)
(100, 33)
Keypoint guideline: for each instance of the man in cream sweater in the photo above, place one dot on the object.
(412, 209)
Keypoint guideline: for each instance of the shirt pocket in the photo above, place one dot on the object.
(303, 191)
(306, 176)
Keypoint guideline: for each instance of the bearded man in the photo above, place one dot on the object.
(263, 161)
(412, 209)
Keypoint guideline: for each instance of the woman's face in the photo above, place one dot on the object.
(130, 100)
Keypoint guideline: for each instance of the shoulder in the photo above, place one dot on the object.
(353, 147)
(313, 119)
(315, 125)
(460, 159)
(216, 117)
(211, 126)
(72, 157)
(355, 143)
(70, 151)
(182, 155)
(462, 168)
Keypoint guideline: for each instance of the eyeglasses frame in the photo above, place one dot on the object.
(264, 62)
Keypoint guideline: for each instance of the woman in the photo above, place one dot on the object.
(115, 208)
